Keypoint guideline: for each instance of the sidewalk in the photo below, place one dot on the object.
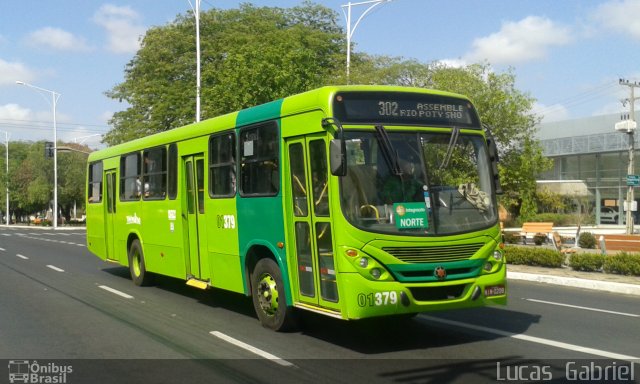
(566, 276)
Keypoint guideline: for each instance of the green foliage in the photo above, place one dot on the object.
(249, 56)
(587, 240)
(588, 262)
(623, 264)
(534, 256)
(539, 238)
(512, 238)
(31, 179)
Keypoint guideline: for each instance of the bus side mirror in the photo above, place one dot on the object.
(493, 156)
(337, 157)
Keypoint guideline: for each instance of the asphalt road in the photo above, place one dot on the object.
(60, 303)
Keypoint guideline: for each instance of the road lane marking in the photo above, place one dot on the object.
(115, 291)
(252, 349)
(6, 234)
(2, 249)
(22, 256)
(580, 307)
(537, 340)
(55, 268)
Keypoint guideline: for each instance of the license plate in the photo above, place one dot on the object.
(496, 290)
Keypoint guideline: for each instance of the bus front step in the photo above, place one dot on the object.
(193, 282)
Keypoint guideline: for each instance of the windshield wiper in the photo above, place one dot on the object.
(452, 142)
(390, 154)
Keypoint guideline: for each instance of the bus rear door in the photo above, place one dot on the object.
(193, 213)
(110, 212)
(312, 252)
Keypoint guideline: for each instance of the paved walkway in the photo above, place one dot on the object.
(566, 276)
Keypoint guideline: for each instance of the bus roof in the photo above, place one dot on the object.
(319, 98)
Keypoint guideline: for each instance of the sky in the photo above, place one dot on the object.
(569, 55)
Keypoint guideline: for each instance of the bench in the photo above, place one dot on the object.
(533, 229)
(627, 243)
(560, 247)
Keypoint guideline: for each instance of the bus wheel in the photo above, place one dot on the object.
(139, 273)
(268, 297)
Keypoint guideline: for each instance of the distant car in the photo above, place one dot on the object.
(609, 215)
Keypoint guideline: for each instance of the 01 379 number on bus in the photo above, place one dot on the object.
(377, 299)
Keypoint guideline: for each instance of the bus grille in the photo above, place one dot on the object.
(449, 292)
(434, 254)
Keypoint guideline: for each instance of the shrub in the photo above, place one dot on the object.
(512, 238)
(534, 256)
(587, 240)
(623, 264)
(539, 238)
(588, 262)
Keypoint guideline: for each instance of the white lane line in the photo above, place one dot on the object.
(579, 307)
(252, 349)
(2, 249)
(55, 268)
(537, 340)
(6, 234)
(22, 256)
(113, 290)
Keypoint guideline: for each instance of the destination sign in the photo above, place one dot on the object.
(404, 108)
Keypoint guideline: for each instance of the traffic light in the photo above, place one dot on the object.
(48, 149)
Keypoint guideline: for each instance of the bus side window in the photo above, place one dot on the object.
(154, 178)
(94, 192)
(173, 171)
(260, 168)
(130, 184)
(222, 165)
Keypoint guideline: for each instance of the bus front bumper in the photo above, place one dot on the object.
(367, 298)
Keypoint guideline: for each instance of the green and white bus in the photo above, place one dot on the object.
(348, 201)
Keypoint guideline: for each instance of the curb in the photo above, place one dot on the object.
(607, 286)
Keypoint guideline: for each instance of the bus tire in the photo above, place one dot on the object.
(269, 299)
(139, 273)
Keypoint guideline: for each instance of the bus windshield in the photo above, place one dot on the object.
(430, 184)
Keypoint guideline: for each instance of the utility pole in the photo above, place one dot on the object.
(630, 132)
(6, 140)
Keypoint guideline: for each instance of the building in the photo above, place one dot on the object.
(591, 150)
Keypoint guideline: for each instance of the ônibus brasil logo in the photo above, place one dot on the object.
(31, 372)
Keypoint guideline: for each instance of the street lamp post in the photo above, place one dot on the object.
(350, 30)
(196, 13)
(54, 97)
(6, 140)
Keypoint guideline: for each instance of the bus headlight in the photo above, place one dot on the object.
(364, 262)
(376, 273)
(497, 255)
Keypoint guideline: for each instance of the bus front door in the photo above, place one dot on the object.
(308, 199)
(110, 212)
(193, 209)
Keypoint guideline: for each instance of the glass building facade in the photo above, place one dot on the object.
(591, 150)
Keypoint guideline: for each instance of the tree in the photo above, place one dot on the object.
(72, 172)
(30, 178)
(255, 55)
(250, 56)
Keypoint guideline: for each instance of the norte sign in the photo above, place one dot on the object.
(410, 215)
